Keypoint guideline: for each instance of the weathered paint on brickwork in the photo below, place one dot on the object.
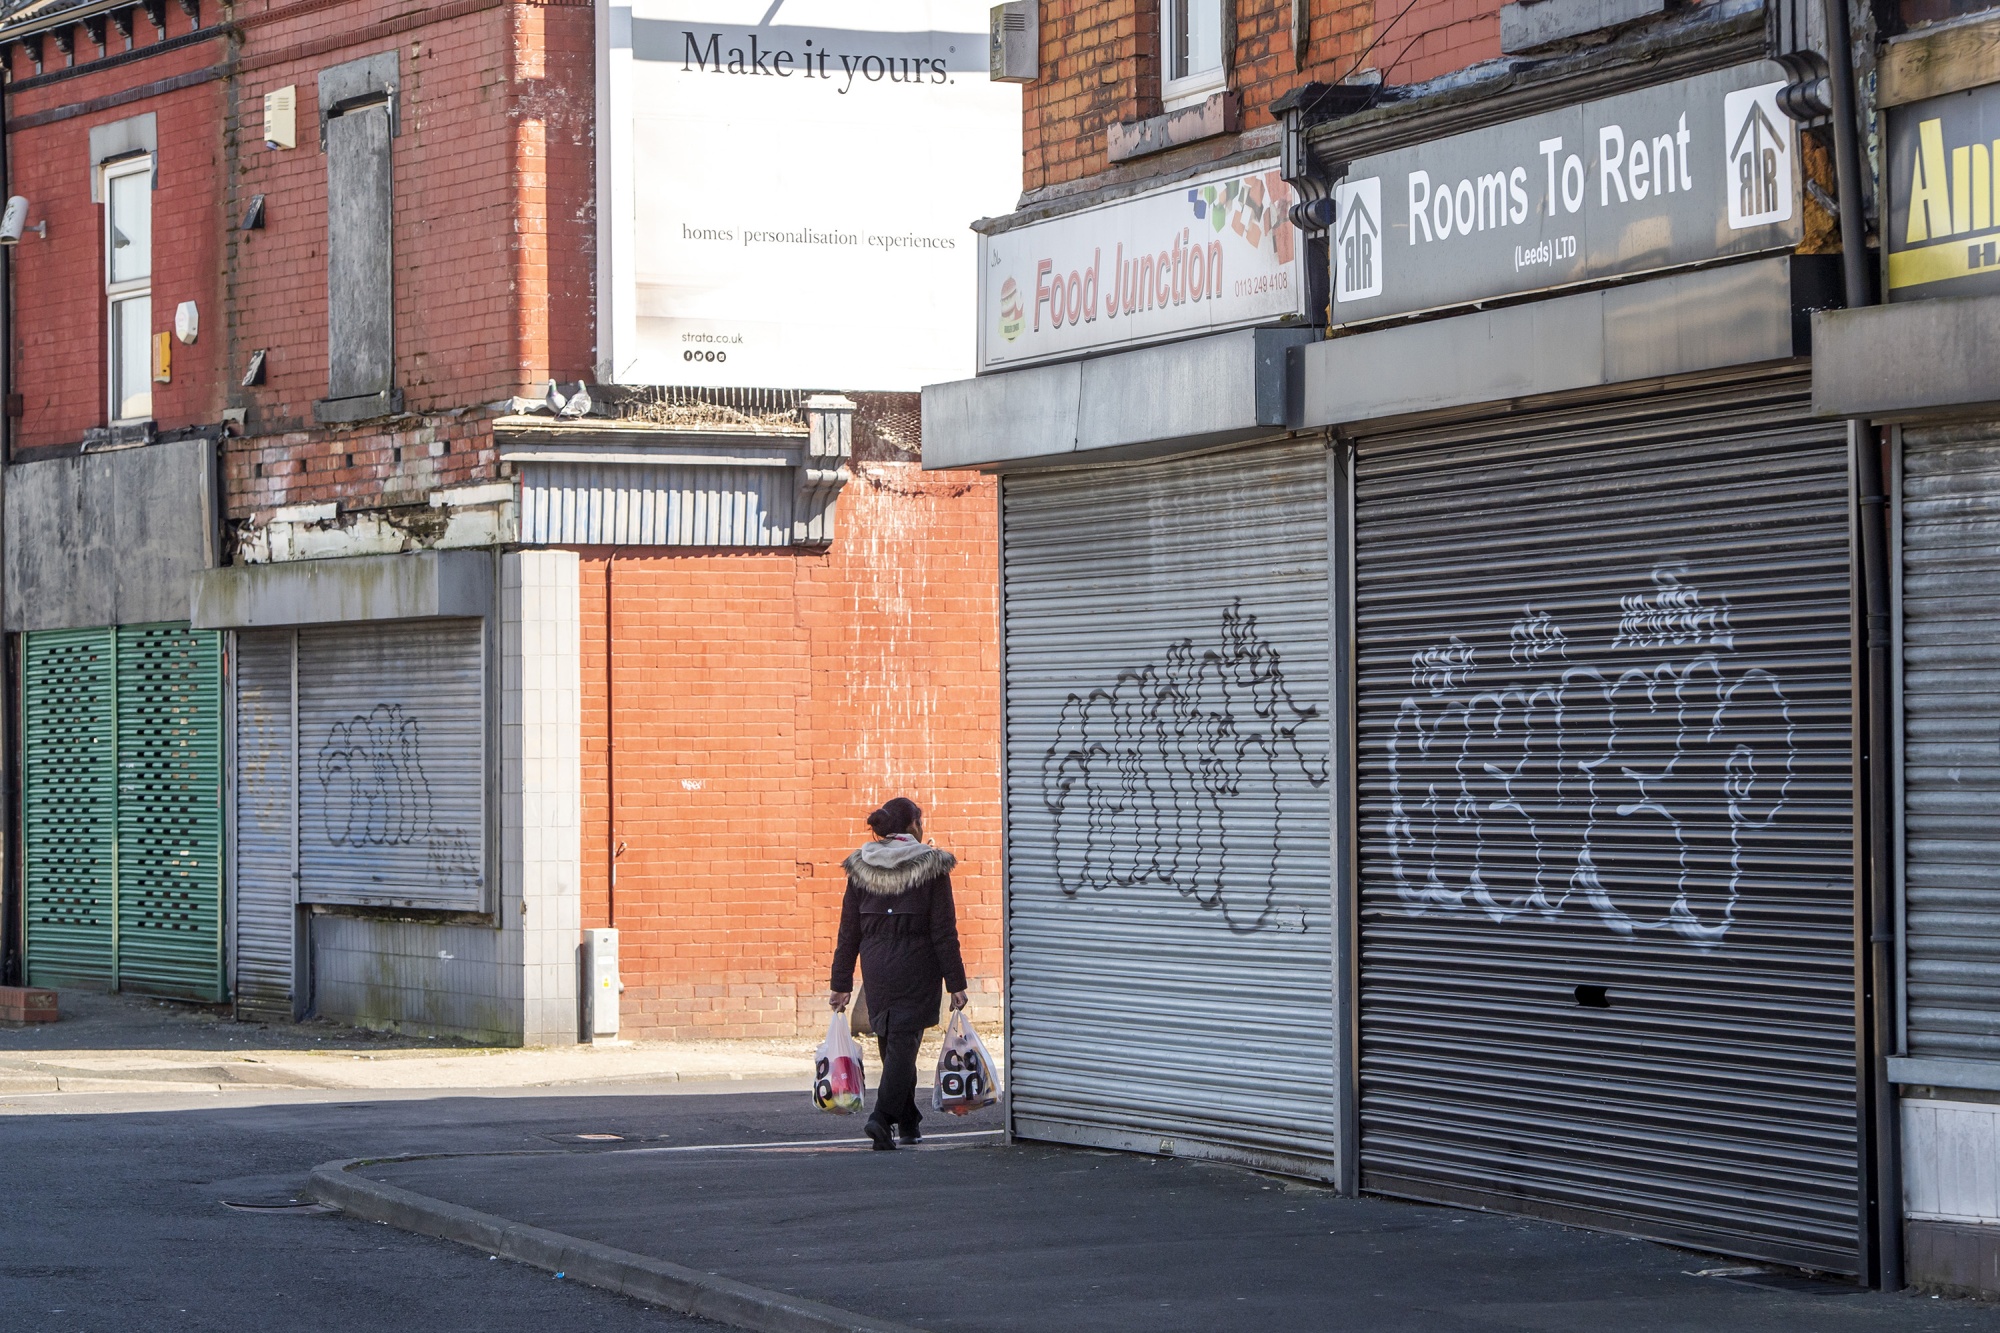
(766, 701)
(1100, 66)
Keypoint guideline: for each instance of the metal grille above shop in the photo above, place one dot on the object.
(1170, 966)
(1607, 948)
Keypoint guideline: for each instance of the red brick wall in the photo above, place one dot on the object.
(766, 702)
(1100, 65)
(494, 238)
(1433, 37)
(60, 366)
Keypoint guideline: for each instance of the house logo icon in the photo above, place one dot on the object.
(1357, 239)
(1759, 150)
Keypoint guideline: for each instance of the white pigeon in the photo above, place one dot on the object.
(553, 400)
(579, 403)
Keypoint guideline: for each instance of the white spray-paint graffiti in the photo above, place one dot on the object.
(1627, 795)
(1173, 776)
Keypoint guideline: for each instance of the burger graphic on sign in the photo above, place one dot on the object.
(1012, 318)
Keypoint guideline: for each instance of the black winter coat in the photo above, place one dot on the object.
(900, 919)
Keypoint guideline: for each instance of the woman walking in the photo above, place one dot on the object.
(898, 916)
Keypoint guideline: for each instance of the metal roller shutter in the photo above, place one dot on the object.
(170, 811)
(265, 848)
(1170, 974)
(1607, 949)
(392, 759)
(69, 806)
(1951, 774)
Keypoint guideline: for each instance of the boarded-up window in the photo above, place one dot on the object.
(360, 314)
(358, 120)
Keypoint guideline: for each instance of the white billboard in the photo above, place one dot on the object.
(1215, 252)
(785, 188)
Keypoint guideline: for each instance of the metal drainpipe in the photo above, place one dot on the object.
(13, 903)
(1878, 789)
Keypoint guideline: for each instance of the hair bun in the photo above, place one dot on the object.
(899, 814)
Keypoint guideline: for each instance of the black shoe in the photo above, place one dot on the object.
(910, 1134)
(878, 1134)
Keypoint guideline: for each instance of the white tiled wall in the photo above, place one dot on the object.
(541, 783)
(1951, 1160)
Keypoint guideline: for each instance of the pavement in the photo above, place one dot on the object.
(140, 1202)
(970, 1235)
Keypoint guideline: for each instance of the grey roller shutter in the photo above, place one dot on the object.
(265, 833)
(1607, 959)
(392, 757)
(1951, 769)
(1170, 973)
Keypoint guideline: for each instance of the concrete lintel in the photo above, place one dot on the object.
(1532, 23)
(418, 586)
(1710, 319)
(1222, 389)
(1911, 359)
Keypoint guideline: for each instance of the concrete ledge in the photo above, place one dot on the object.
(419, 586)
(1915, 358)
(1221, 113)
(368, 406)
(1711, 319)
(654, 1281)
(1222, 389)
(1920, 1071)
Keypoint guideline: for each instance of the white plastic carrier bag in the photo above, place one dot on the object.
(839, 1085)
(966, 1077)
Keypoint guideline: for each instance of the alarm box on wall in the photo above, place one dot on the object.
(1013, 41)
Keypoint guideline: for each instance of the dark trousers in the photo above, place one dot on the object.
(896, 1094)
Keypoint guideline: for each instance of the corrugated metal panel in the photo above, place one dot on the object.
(392, 761)
(170, 811)
(264, 846)
(607, 504)
(1606, 821)
(69, 806)
(1170, 966)
(1951, 768)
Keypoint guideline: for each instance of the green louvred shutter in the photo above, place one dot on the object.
(170, 811)
(122, 809)
(69, 805)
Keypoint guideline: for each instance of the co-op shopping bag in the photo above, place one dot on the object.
(838, 1083)
(966, 1079)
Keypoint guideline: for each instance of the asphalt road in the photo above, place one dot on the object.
(115, 1219)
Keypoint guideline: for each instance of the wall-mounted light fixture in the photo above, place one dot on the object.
(14, 222)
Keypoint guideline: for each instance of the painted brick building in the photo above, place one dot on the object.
(311, 592)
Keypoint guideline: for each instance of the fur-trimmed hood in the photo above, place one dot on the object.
(897, 864)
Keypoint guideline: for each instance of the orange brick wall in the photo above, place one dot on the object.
(766, 701)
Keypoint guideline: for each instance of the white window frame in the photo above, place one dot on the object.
(1199, 85)
(117, 292)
